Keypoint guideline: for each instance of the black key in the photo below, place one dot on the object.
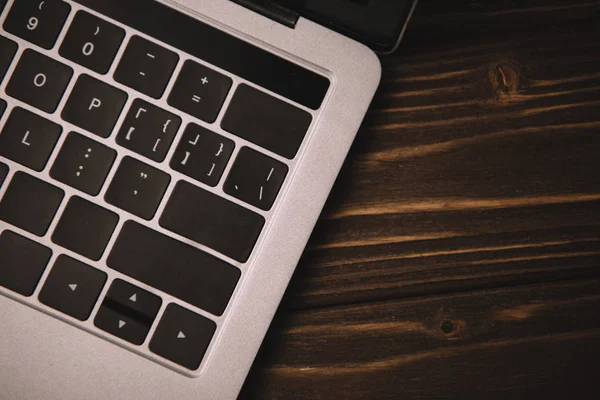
(22, 263)
(148, 130)
(72, 287)
(174, 267)
(137, 188)
(8, 49)
(200, 91)
(202, 154)
(129, 299)
(30, 203)
(28, 139)
(92, 42)
(146, 67)
(94, 106)
(182, 336)
(217, 47)
(85, 228)
(266, 121)
(83, 163)
(121, 325)
(212, 221)
(39, 81)
(3, 172)
(127, 312)
(255, 178)
(37, 21)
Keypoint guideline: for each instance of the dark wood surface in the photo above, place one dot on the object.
(459, 254)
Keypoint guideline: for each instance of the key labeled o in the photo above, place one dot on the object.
(88, 48)
(39, 80)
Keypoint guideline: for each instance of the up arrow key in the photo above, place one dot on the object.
(180, 335)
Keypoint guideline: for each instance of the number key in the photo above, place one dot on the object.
(28, 138)
(92, 42)
(39, 81)
(37, 21)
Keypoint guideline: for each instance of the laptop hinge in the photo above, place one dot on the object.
(272, 10)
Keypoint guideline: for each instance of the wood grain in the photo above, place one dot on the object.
(533, 342)
(477, 164)
(459, 254)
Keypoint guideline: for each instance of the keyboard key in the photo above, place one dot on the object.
(36, 21)
(28, 139)
(72, 287)
(200, 91)
(39, 81)
(85, 228)
(139, 303)
(8, 49)
(22, 262)
(174, 267)
(146, 67)
(3, 173)
(137, 188)
(92, 42)
(182, 336)
(202, 155)
(30, 203)
(212, 221)
(255, 178)
(83, 163)
(148, 130)
(128, 312)
(121, 325)
(94, 106)
(266, 121)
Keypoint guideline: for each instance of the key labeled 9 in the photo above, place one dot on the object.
(32, 24)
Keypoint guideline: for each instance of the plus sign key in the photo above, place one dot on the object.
(199, 91)
(148, 130)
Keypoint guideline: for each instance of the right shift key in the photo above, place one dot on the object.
(213, 221)
(266, 121)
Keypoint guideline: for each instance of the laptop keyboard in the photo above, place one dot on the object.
(135, 177)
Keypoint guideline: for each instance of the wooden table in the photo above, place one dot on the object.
(459, 254)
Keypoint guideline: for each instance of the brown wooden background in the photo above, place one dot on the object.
(459, 254)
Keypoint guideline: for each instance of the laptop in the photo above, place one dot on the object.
(162, 165)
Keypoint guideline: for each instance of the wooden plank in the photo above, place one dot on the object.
(539, 341)
(478, 164)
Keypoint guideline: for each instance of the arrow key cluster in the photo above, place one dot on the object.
(128, 312)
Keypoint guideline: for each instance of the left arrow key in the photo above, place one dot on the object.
(62, 293)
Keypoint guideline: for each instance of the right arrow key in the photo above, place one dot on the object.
(182, 336)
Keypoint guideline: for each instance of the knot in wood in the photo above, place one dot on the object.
(505, 77)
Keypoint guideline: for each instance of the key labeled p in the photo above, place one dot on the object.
(96, 103)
